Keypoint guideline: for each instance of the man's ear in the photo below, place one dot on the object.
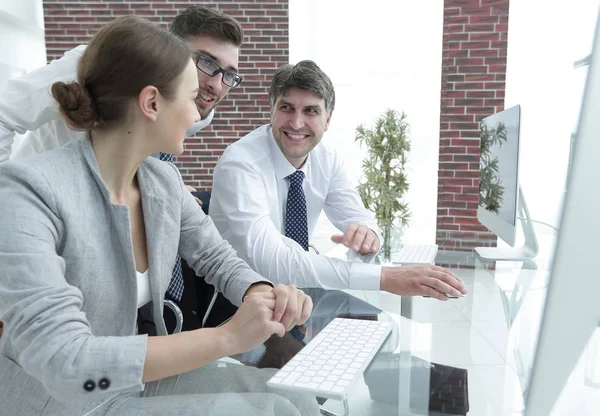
(328, 120)
(148, 102)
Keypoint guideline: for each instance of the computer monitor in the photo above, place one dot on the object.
(572, 311)
(501, 201)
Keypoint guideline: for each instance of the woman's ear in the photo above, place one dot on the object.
(148, 102)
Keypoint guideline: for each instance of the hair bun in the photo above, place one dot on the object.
(75, 104)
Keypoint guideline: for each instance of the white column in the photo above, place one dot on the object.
(22, 42)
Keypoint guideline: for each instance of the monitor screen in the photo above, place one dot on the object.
(498, 181)
(571, 312)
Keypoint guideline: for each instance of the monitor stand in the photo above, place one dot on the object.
(529, 249)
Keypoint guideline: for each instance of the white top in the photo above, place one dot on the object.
(27, 106)
(143, 285)
(248, 207)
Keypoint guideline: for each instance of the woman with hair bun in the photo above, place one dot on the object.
(88, 235)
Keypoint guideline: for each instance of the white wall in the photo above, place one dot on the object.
(385, 53)
(22, 43)
(389, 55)
(545, 38)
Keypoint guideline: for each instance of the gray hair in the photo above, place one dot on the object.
(305, 75)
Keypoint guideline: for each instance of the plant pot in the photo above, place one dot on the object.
(393, 240)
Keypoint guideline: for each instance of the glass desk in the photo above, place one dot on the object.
(491, 333)
(444, 356)
(480, 346)
(465, 341)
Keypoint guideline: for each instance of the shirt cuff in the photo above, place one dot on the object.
(365, 276)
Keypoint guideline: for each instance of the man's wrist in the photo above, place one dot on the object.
(384, 278)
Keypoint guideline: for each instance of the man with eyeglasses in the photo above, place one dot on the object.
(27, 107)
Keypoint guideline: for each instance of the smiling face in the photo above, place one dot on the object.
(179, 112)
(226, 55)
(299, 120)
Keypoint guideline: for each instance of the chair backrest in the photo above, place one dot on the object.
(203, 196)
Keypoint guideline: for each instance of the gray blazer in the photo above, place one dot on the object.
(68, 286)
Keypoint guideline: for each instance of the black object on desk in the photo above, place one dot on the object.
(434, 388)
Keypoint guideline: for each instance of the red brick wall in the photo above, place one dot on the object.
(266, 47)
(473, 86)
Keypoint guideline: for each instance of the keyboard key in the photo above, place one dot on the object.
(291, 378)
(416, 254)
(326, 386)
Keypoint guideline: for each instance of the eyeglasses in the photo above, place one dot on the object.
(211, 68)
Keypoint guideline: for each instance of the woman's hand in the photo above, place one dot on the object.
(292, 306)
(266, 311)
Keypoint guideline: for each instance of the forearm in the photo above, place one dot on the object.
(26, 103)
(179, 353)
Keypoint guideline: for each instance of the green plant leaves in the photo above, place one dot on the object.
(385, 180)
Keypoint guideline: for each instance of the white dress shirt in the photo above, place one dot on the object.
(248, 207)
(28, 107)
(144, 295)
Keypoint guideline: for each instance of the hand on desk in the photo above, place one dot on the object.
(266, 311)
(359, 238)
(422, 280)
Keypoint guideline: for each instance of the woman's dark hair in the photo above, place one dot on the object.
(124, 57)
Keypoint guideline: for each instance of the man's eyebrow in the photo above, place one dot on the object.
(313, 107)
(214, 58)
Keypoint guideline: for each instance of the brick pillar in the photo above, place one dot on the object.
(473, 86)
(265, 48)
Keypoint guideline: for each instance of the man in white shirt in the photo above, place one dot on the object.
(27, 106)
(270, 187)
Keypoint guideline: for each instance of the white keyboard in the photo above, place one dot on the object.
(416, 254)
(329, 364)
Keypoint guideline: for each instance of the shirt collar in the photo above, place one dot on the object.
(283, 168)
(199, 125)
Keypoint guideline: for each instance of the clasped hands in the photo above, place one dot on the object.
(265, 311)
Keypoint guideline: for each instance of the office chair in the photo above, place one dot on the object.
(209, 308)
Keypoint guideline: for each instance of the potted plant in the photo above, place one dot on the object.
(384, 170)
